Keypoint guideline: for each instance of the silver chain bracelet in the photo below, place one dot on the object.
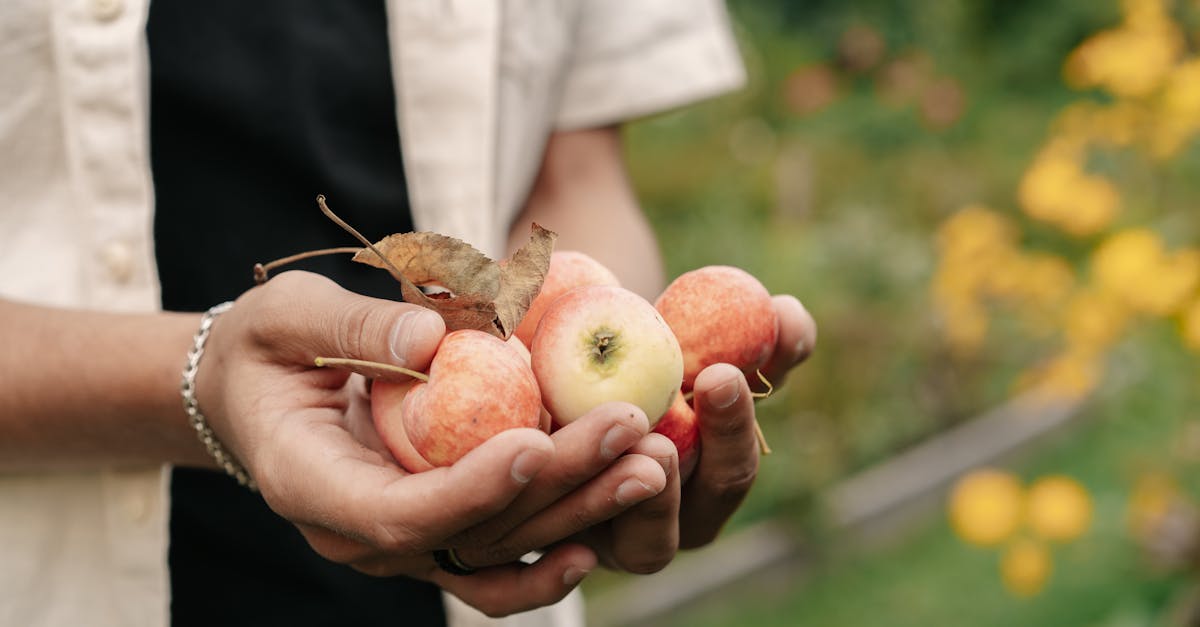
(187, 389)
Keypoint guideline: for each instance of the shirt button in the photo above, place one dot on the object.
(136, 506)
(106, 10)
(117, 258)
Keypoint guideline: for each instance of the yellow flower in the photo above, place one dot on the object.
(1145, 14)
(1047, 185)
(1025, 567)
(1181, 95)
(1094, 319)
(1121, 123)
(1070, 375)
(1177, 119)
(1133, 265)
(1058, 508)
(985, 506)
(1173, 282)
(975, 232)
(1132, 60)
(1055, 189)
(1190, 325)
(1092, 207)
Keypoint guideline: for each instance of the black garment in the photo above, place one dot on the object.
(255, 108)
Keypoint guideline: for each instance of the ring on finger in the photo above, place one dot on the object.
(449, 561)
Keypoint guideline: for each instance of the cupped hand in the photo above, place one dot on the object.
(643, 537)
(305, 436)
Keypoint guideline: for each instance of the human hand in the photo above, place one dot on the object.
(305, 435)
(645, 538)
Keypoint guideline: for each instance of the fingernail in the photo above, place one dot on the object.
(408, 330)
(725, 395)
(633, 491)
(527, 465)
(574, 575)
(616, 441)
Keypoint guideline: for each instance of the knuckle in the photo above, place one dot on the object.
(353, 326)
(479, 506)
(477, 537)
(733, 484)
(657, 511)
(393, 540)
(728, 428)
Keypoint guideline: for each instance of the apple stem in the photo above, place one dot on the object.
(262, 270)
(762, 439)
(758, 432)
(770, 388)
(363, 366)
(763, 447)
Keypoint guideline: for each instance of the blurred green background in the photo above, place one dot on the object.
(866, 126)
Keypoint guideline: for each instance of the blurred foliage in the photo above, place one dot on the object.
(964, 194)
(863, 128)
(1137, 454)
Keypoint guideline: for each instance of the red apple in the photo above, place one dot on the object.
(478, 386)
(517, 345)
(569, 269)
(682, 427)
(596, 344)
(720, 314)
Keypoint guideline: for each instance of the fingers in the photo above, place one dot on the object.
(360, 495)
(583, 449)
(797, 337)
(516, 587)
(499, 590)
(330, 321)
(644, 539)
(728, 458)
(630, 480)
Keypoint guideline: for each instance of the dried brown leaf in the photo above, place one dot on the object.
(479, 293)
(522, 276)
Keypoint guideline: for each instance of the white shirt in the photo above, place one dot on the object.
(479, 88)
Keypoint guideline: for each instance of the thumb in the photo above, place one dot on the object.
(330, 321)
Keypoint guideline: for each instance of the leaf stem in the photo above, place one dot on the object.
(391, 267)
(262, 270)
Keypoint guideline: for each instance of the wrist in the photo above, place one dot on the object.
(216, 450)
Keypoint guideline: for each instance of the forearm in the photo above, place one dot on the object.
(583, 193)
(83, 388)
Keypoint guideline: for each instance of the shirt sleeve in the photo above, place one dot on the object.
(632, 58)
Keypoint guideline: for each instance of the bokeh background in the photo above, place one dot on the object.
(992, 208)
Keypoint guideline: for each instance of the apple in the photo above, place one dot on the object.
(603, 343)
(569, 269)
(517, 345)
(681, 426)
(478, 386)
(720, 314)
